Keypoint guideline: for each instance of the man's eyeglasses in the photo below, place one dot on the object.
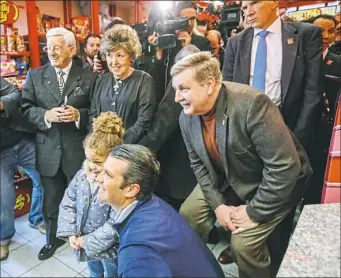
(55, 48)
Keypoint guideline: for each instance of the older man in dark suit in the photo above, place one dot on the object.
(55, 100)
(241, 152)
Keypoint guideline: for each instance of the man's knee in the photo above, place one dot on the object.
(188, 211)
(239, 245)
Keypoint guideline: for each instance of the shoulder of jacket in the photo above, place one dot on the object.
(302, 27)
(143, 74)
(39, 69)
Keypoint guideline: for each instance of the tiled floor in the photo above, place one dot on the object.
(23, 259)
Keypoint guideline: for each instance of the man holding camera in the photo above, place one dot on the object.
(92, 60)
(184, 37)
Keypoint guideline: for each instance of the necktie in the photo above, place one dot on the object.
(260, 63)
(61, 81)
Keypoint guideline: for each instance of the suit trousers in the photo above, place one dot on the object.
(54, 189)
(249, 248)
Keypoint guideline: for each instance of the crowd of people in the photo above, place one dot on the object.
(135, 167)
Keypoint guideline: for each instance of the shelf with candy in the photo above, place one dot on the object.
(80, 26)
(15, 53)
(15, 70)
(14, 57)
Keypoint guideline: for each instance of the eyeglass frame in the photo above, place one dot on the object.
(45, 48)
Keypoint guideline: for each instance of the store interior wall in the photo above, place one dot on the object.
(53, 8)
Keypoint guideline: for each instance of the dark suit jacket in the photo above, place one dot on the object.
(201, 42)
(332, 69)
(336, 48)
(164, 138)
(11, 116)
(302, 73)
(63, 141)
(263, 163)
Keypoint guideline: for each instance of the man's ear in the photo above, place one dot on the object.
(275, 5)
(132, 190)
(210, 83)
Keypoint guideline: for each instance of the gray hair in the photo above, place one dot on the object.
(143, 169)
(187, 50)
(68, 36)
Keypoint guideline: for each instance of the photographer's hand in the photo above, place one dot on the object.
(152, 40)
(184, 37)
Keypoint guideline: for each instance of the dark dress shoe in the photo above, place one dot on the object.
(225, 256)
(213, 236)
(48, 250)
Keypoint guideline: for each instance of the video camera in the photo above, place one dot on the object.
(165, 26)
(230, 18)
(142, 32)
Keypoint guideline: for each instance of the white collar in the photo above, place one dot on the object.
(66, 70)
(324, 53)
(275, 27)
(90, 61)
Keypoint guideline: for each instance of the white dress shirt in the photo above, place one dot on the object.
(324, 53)
(274, 60)
(66, 74)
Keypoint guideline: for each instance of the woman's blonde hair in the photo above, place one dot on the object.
(203, 65)
(107, 133)
(124, 36)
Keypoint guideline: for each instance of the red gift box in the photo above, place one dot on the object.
(23, 193)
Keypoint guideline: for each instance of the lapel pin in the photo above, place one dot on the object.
(329, 62)
(290, 40)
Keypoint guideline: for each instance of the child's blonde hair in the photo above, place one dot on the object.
(107, 133)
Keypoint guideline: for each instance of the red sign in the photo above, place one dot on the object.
(9, 12)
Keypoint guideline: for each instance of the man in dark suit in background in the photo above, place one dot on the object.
(336, 47)
(188, 9)
(55, 100)
(283, 60)
(250, 170)
(324, 126)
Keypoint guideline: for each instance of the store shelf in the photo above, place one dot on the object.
(15, 53)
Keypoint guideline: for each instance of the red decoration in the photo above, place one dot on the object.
(9, 12)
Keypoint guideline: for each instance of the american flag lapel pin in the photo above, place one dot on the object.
(329, 62)
(290, 40)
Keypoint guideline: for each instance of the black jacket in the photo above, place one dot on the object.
(164, 138)
(135, 102)
(12, 125)
(332, 69)
(62, 144)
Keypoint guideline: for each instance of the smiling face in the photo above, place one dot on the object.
(110, 183)
(260, 14)
(327, 27)
(119, 62)
(195, 98)
(95, 162)
(58, 52)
